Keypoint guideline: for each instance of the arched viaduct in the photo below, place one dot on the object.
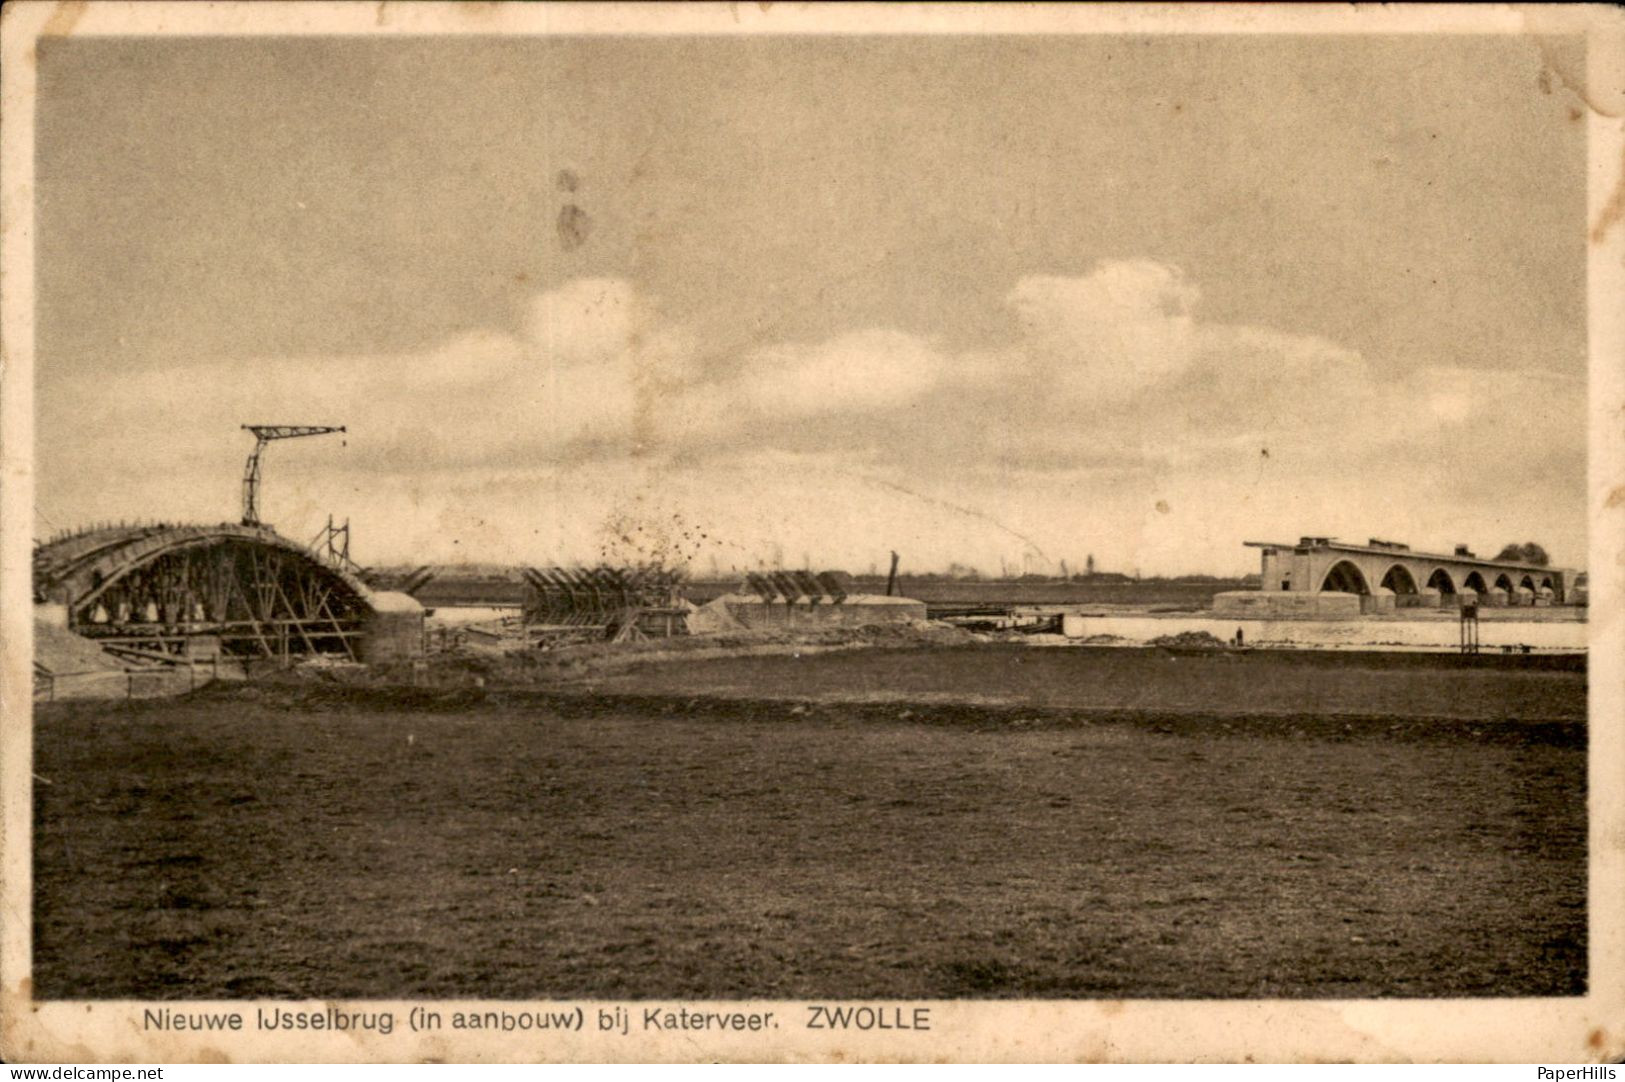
(1386, 575)
(245, 590)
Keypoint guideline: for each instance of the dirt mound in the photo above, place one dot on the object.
(527, 667)
(1189, 640)
(713, 618)
(468, 667)
(60, 652)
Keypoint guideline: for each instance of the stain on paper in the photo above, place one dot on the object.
(574, 226)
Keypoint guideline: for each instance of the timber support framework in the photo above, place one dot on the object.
(177, 591)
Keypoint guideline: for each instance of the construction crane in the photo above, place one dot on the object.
(264, 434)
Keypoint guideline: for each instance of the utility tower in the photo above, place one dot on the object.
(264, 434)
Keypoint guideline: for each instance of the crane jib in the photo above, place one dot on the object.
(264, 434)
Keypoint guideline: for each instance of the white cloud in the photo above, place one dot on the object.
(587, 321)
(1112, 394)
(1124, 327)
(858, 372)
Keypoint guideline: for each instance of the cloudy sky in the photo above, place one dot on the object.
(1009, 300)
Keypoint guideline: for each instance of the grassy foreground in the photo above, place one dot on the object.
(1487, 688)
(263, 842)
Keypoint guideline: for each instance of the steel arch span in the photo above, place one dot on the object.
(165, 587)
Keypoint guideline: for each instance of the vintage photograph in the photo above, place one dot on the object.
(850, 519)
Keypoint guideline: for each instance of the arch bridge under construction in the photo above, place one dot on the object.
(167, 591)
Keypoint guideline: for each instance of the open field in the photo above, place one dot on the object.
(1487, 688)
(334, 842)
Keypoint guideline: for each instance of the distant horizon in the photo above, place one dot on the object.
(952, 570)
(706, 575)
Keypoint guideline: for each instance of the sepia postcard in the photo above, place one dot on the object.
(810, 532)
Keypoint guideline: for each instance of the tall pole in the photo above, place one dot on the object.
(251, 484)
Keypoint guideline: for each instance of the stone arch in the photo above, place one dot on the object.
(1345, 577)
(1399, 579)
(1475, 582)
(1503, 581)
(1528, 583)
(1441, 581)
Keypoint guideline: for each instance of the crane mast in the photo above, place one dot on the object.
(263, 435)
